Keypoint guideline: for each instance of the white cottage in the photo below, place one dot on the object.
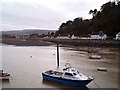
(118, 36)
(102, 37)
(74, 37)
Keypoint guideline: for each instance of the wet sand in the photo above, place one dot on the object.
(26, 71)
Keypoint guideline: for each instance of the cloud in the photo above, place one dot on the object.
(80, 8)
(46, 14)
(30, 16)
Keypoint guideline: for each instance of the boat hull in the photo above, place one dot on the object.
(4, 78)
(79, 83)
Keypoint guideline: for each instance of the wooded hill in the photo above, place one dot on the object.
(107, 19)
(26, 32)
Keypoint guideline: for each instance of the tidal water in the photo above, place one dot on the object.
(26, 64)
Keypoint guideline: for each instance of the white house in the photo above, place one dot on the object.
(118, 36)
(102, 37)
(74, 37)
(63, 37)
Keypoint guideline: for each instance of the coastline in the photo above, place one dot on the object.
(64, 42)
(24, 42)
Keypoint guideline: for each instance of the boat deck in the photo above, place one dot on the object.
(55, 73)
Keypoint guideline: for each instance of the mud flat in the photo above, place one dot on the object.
(86, 42)
(29, 70)
(46, 42)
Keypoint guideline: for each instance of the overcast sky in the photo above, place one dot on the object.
(43, 14)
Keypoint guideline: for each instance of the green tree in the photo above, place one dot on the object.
(107, 19)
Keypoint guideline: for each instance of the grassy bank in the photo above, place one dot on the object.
(46, 42)
(24, 42)
(88, 43)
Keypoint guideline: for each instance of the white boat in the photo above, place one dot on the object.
(93, 56)
(4, 75)
(69, 76)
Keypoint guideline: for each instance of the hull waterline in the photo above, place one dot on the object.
(79, 83)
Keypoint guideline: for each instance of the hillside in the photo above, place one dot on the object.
(27, 31)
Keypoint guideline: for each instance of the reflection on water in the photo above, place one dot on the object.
(5, 81)
(26, 64)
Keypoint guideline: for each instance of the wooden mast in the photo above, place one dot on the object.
(57, 55)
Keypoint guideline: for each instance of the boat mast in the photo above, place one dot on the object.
(57, 55)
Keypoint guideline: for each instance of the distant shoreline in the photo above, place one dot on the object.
(24, 42)
(48, 42)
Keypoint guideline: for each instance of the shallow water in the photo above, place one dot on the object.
(26, 64)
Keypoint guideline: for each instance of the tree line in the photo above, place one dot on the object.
(107, 20)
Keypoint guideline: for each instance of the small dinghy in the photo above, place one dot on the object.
(4, 75)
(94, 57)
(69, 76)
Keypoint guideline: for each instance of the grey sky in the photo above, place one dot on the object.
(43, 14)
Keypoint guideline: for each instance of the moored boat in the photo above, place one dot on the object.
(94, 57)
(4, 75)
(69, 76)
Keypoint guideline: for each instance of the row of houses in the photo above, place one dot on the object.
(85, 37)
(102, 37)
(92, 36)
(98, 36)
